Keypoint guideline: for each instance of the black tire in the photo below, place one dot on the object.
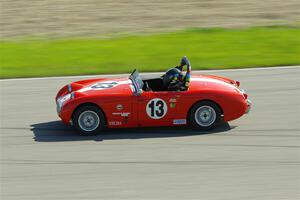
(196, 123)
(96, 114)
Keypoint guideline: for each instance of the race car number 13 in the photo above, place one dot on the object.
(156, 108)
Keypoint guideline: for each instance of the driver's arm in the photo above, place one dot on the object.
(179, 67)
(187, 77)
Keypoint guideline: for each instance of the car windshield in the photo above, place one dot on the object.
(137, 81)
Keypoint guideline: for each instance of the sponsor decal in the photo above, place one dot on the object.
(179, 121)
(119, 107)
(156, 108)
(115, 123)
(122, 114)
(173, 100)
(172, 105)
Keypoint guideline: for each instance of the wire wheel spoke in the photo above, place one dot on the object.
(88, 120)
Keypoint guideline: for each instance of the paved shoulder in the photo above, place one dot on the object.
(255, 157)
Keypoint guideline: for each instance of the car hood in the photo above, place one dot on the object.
(103, 86)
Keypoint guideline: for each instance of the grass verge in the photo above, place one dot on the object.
(213, 48)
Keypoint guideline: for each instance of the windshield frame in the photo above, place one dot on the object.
(137, 82)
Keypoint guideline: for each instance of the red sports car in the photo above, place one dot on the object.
(173, 99)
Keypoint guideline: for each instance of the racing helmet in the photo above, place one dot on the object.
(173, 79)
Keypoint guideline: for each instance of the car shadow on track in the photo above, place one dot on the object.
(56, 131)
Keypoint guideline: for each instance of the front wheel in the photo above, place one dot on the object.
(88, 120)
(205, 115)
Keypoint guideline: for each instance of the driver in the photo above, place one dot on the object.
(175, 80)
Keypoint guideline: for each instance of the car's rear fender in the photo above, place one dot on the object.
(232, 104)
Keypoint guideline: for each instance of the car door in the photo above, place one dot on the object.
(158, 108)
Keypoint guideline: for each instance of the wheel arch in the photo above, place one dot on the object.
(90, 104)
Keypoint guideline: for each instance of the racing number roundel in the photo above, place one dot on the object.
(156, 108)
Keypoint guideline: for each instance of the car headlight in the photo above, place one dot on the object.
(61, 100)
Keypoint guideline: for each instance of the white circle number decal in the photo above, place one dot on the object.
(156, 108)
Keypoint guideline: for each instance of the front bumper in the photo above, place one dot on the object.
(249, 104)
(58, 107)
(63, 114)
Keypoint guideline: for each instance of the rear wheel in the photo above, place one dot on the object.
(88, 120)
(205, 115)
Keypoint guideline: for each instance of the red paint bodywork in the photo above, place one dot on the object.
(223, 91)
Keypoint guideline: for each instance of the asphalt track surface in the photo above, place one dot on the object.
(254, 157)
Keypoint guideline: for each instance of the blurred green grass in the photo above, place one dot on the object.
(210, 48)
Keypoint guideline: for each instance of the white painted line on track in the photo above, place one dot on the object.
(150, 73)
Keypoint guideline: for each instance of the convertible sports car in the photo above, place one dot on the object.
(173, 99)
